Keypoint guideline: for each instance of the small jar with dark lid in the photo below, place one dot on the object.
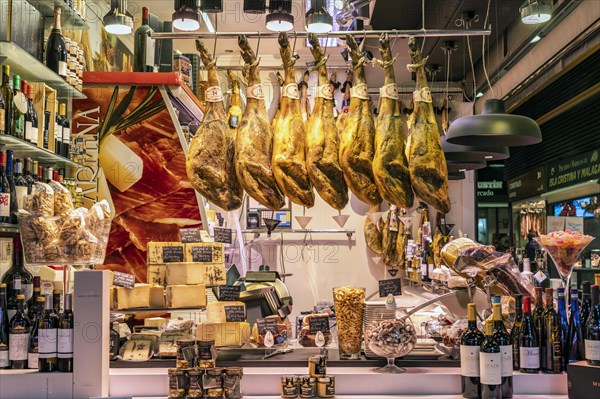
(326, 387)
(212, 381)
(195, 390)
(177, 383)
(289, 386)
(308, 387)
(207, 353)
(232, 382)
(185, 353)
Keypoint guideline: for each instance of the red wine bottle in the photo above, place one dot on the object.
(514, 332)
(529, 347)
(470, 345)
(4, 362)
(502, 337)
(65, 337)
(48, 337)
(490, 364)
(144, 45)
(18, 336)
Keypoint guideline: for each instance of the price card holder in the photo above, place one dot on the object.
(202, 254)
(189, 235)
(235, 313)
(392, 286)
(318, 324)
(223, 235)
(229, 293)
(123, 280)
(267, 325)
(173, 254)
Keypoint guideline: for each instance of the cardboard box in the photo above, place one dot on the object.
(583, 381)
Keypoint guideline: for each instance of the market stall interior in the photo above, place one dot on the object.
(296, 198)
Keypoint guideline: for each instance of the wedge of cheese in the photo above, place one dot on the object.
(140, 296)
(224, 334)
(216, 311)
(209, 274)
(205, 252)
(154, 321)
(186, 296)
(164, 252)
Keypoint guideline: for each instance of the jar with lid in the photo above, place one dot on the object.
(317, 365)
(232, 382)
(195, 390)
(177, 383)
(308, 387)
(326, 387)
(207, 353)
(289, 386)
(212, 381)
(185, 353)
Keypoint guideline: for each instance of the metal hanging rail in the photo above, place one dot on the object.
(361, 33)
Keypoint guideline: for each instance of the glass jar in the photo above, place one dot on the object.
(195, 390)
(289, 386)
(212, 381)
(326, 387)
(317, 365)
(308, 387)
(185, 353)
(177, 383)
(207, 353)
(349, 309)
(232, 382)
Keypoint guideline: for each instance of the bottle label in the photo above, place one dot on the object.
(67, 135)
(33, 360)
(28, 128)
(529, 358)
(34, 135)
(2, 122)
(17, 345)
(539, 277)
(469, 360)
(4, 204)
(490, 368)
(58, 132)
(234, 121)
(65, 343)
(21, 192)
(150, 51)
(27, 290)
(4, 362)
(507, 360)
(592, 349)
(47, 342)
(62, 68)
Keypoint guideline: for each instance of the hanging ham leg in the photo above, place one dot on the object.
(234, 113)
(426, 160)
(210, 159)
(357, 145)
(289, 139)
(322, 143)
(390, 167)
(254, 143)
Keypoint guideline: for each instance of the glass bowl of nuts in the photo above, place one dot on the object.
(349, 303)
(391, 338)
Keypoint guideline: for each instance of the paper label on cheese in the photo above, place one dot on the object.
(214, 94)
(324, 91)
(389, 91)
(360, 91)
(202, 254)
(255, 92)
(290, 90)
(423, 95)
(172, 254)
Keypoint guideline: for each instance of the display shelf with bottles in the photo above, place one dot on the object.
(72, 18)
(46, 157)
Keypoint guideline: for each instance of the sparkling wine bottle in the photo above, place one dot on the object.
(470, 345)
(56, 48)
(586, 303)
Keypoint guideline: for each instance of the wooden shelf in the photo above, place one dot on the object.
(22, 148)
(8, 229)
(69, 19)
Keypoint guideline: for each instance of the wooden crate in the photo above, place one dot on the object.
(44, 99)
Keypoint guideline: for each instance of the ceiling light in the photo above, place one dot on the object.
(211, 6)
(186, 15)
(536, 39)
(280, 18)
(494, 128)
(479, 95)
(536, 11)
(255, 6)
(456, 176)
(318, 19)
(460, 153)
(489, 157)
(118, 20)
(454, 167)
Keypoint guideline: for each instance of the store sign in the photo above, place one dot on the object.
(577, 169)
(491, 191)
(530, 184)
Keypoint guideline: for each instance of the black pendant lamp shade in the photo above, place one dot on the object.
(211, 5)
(456, 175)
(255, 6)
(454, 152)
(494, 128)
(187, 15)
(454, 167)
(280, 18)
(118, 20)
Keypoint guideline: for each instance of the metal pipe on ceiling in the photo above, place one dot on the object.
(359, 33)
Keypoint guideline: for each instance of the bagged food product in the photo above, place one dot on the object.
(63, 201)
(271, 327)
(41, 202)
(310, 338)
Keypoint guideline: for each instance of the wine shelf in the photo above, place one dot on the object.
(23, 149)
(33, 70)
(7, 228)
(68, 17)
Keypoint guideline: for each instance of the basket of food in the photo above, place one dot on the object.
(53, 232)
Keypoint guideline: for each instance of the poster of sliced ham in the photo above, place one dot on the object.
(133, 158)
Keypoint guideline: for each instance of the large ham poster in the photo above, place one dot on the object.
(134, 159)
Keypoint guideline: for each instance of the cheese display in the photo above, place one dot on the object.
(209, 274)
(186, 296)
(157, 275)
(164, 252)
(224, 334)
(140, 296)
(206, 252)
(154, 321)
(216, 312)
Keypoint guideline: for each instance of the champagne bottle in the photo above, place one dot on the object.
(514, 332)
(65, 337)
(7, 94)
(592, 330)
(144, 45)
(4, 362)
(34, 348)
(56, 48)
(18, 336)
(48, 337)
(503, 339)
(575, 335)
(490, 364)
(19, 269)
(552, 345)
(529, 349)
(470, 345)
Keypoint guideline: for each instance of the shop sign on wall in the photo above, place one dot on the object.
(527, 185)
(573, 170)
(491, 191)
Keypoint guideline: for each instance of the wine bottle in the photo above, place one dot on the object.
(470, 344)
(58, 129)
(586, 303)
(115, 341)
(551, 348)
(31, 119)
(144, 45)
(48, 337)
(490, 364)
(7, 94)
(4, 191)
(36, 309)
(2, 113)
(65, 337)
(575, 335)
(4, 362)
(514, 332)
(57, 299)
(56, 49)
(20, 107)
(592, 330)
(18, 336)
(13, 192)
(11, 304)
(529, 349)
(538, 320)
(46, 132)
(36, 292)
(563, 327)
(21, 186)
(29, 178)
(18, 268)
(33, 353)
(66, 139)
(502, 338)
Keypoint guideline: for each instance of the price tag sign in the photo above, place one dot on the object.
(235, 313)
(189, 235)
(391, 286)
(123, 280)
(202, 254)
(223, 235)
(229, 293)
(267, 325)
(318, 324)
(173, 254)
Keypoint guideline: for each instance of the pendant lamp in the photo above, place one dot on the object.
(454, 152)
(187, 15)
(454, 167)
(280, 18)
(536, 11)
(118, 20)
(494, 128)
(456, 176)
(318, 20)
